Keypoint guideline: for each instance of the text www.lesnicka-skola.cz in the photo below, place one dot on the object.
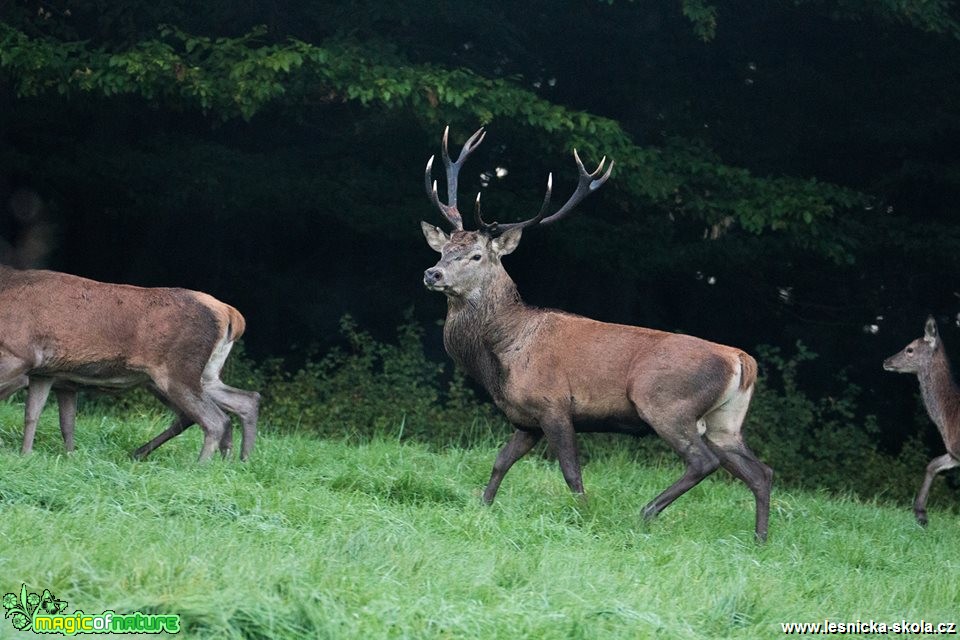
(866, 627)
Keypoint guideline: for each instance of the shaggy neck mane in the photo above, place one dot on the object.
(479, 329)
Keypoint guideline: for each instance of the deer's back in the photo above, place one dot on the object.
(600, 370)
(57, 320)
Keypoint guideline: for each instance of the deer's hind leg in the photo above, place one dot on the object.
(246, 406)
(67, 406)
(200, 408)
(178, 426)
(13, 374)
(723, 436)
(674, 417)
(700, 462)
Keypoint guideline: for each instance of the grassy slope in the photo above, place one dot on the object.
(334, 540)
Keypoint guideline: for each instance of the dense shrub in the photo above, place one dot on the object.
(370, 388)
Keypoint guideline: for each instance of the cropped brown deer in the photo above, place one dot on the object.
(553, 373)
(31, 247)
(61, 331)
(927, 358)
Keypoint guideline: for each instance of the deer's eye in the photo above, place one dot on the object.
(910, 350)
(475, 257)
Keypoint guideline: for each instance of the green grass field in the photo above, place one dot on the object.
(383, 539)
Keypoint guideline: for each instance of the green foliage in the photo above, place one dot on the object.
(703, 16)
(935, 16)
(242, 76)
(370, 388)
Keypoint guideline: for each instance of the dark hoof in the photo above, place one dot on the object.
(921, 518)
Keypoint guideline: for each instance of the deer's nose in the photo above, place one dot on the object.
(432, 275)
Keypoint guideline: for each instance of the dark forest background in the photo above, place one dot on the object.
(786, 170)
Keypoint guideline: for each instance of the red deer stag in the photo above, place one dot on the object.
(61, 331)
(553, 373)
(926, 357)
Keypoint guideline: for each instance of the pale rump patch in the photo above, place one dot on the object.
(211, 372)
(731, 391)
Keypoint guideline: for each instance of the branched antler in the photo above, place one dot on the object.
(449, 210)
(587, 184)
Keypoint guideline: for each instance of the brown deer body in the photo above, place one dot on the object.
(927, 358)
(554, 373)
(61, 331)
(31, 247)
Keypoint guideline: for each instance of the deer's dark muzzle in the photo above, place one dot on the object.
(433, 277)
(891, 364)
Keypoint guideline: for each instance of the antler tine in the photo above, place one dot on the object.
(481, 225)
(450, 213)
(587, 184)
(599, 168)
(453, 168)
(449, 210)
(428, 177)
(500, 228)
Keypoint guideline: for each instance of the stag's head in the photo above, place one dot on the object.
(916, 356)
(469, 259)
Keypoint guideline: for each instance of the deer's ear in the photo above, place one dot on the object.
(507, 242)
(930, 332)
(435, 236)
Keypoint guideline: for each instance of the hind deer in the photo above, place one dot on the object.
(554, 373)
(927, 358)
(62, 331)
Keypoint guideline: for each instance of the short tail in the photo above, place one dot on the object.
(748, 371)
(224, 314)
(235, 323)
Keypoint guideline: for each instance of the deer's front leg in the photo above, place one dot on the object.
(519, 445)
(562, 437)
(938, 464)
(37, 393)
